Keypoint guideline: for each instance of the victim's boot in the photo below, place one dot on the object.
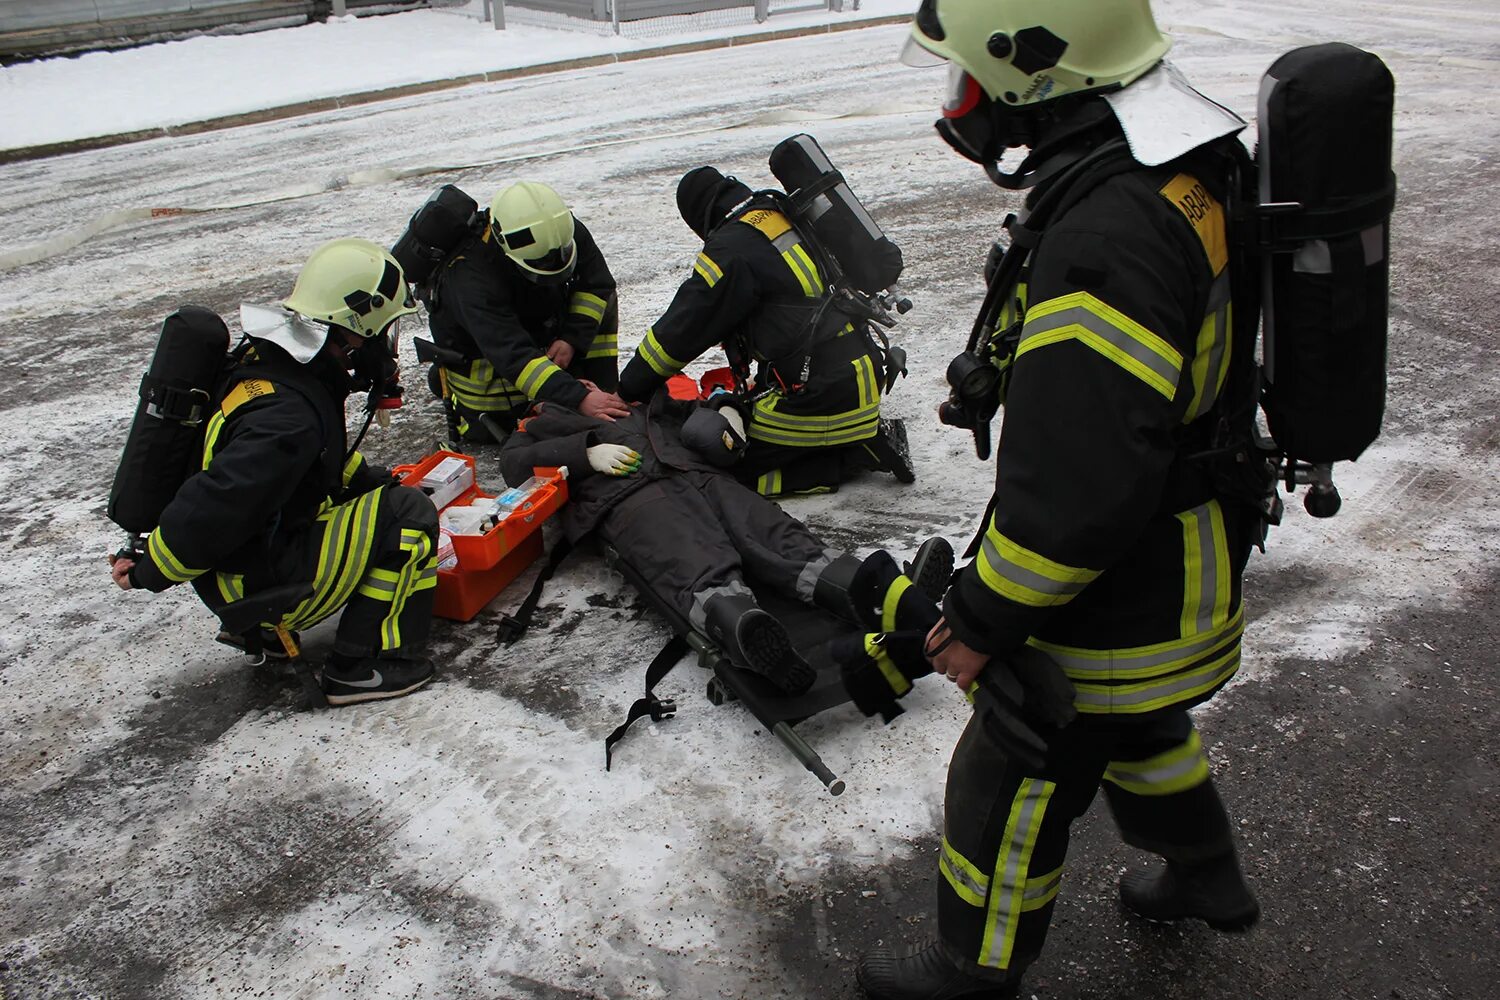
(754, 639)
(875, 593)
(925, 973)
(1213, 891)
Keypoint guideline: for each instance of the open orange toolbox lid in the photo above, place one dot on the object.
(487, 562)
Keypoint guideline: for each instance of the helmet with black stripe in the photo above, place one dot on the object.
(532, 224)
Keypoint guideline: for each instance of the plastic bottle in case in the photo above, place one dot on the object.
(515, 497)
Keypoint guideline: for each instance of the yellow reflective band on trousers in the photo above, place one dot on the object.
(1184, 766)
(166, 560)
(1206, 585)
(1080, 316)
(587, 304)
(657, 357)
(604, 345)
(418, 572)
(705, 268)
(479, 389)
(535, 375)
(1013, 571)
(968, 882)
(348, 540)
(769, 485)
(820, 430)
(1211, 361)
(1008, 884)
(875, 650)
(1041, 890)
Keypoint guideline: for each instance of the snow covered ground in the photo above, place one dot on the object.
(171, 829)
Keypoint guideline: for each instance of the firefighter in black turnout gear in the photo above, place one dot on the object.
(696, 533)
(527, 308)
(757, 291)
(1106, 584)
(281, 500)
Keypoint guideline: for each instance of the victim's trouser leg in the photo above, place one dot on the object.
(1006, 826)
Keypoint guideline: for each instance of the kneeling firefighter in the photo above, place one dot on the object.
(757, 290)
(523, 310)
(277, 498)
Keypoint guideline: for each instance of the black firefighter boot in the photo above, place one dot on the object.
(869, 592)
(754, 639)
(1213, 891)
(926, 973)
(888, 451)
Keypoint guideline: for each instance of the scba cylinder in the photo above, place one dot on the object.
(823, 202)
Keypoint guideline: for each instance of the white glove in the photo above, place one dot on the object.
(734, 420)
(614, 459)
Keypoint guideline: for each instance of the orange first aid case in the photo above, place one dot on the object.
(487, 562)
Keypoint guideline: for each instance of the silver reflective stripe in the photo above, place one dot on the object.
(1164, 691)
(1043, 888)
(698, 616)
(965, 879)
(1029, 579)
(1115, 661)
(807, 580)
(1208, 566)
(1007, 885)
(1217, 321)
(1105, 331)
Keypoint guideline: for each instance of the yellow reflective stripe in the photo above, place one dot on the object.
(231, 586)
(804, 270)
(348, 540)
(1008, 884)
(1206, 587)
(897, 681)
(351, 467)
(892, 598)
(967, 881)
(1211, 355)
(1204, 213)
(1041, 890)
(1184, 766)
(535, 375)
(654, 354)
(1026, 577)
(1155, 660)
(588, 304)
(410, 578)
(1148, 696)
(811, 430)
(769, 485)
(864, 379)
(604, 346)
(166, 560)
(1080, 316)
(479, 389)
(379, 584)
(706, 269)
(211, 436)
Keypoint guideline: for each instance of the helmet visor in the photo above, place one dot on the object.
(914, 53)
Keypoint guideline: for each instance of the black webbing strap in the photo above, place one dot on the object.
(512, 627)
(675, 649)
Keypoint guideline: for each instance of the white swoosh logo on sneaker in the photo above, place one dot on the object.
(373, 682)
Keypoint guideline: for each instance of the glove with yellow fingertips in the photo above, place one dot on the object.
(614, 459)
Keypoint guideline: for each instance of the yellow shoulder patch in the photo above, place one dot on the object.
(1204, 214)
(251, 388)
(771, 223)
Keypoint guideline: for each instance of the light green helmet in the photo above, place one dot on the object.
(1023, 52)
(354, 284)
(533, 226)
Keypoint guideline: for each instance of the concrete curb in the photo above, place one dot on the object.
(23, 153)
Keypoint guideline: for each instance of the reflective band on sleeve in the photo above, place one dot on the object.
(588, 304)
(211, 437)
(351, 467)
(967, 881)
(1080, 316)
(535, 375)
(1184, 766)
(657, 357)
(1008, 884)
(604, 345)
(1041, 890)
(166, 560)
(1211, 361)
(1026, 577)
(705, 268)
(1206, 588)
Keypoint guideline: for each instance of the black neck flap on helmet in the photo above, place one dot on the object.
(706, 198)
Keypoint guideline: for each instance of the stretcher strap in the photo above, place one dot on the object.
(675, 649)
(512, 627)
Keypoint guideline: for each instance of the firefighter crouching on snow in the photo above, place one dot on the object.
(755, 289)
(1104, 547)
(278, 500)
(527, 305)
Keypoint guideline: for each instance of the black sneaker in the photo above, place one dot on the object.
(768, 651)
(373, 679)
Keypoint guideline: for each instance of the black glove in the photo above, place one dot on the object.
(879, 667)
(1021, 698)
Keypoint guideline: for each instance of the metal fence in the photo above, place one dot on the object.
(635, 18)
